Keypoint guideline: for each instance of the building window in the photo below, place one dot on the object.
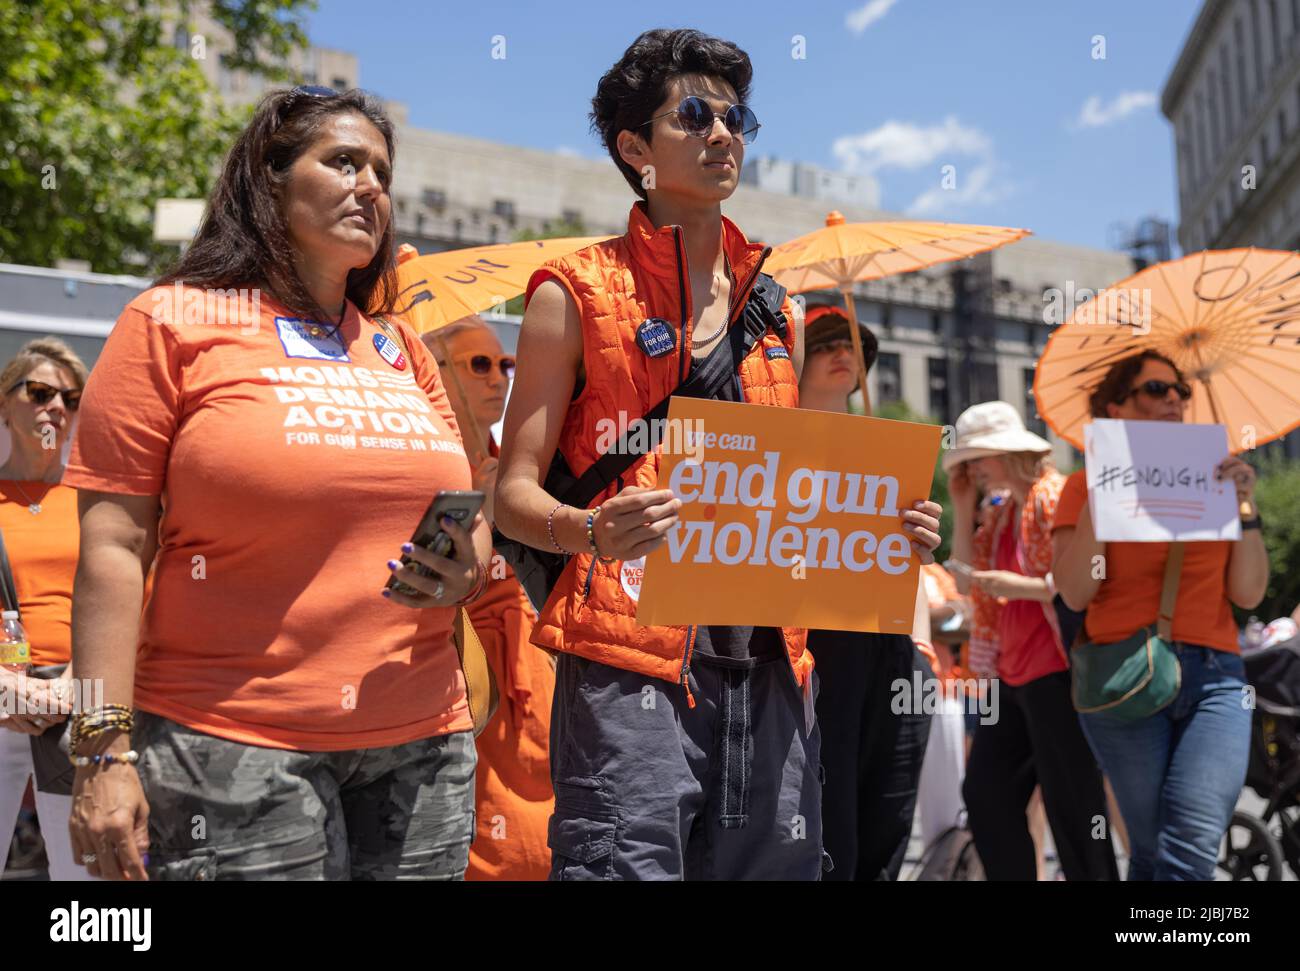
(1202, 151)
(1240, 48)
(340, 84)
(457, 227)
(1256, 45)
(1029, 336)
(984, 382)
(1229, 123)
(887, 317)
(505, 209)
(938, 379)
(936, 323)
(434, 198)
(1215, 132)
(889, 378)
(1033, 421)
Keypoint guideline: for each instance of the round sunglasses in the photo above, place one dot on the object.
(696, 117)
(480, 365)
(40, 393)
(1157, 390)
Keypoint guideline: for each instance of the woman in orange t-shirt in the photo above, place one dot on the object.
(1177, 773)
(513, 780)
(291, 440)
(41, 390)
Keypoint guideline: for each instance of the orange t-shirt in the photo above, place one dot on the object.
(291, 466)
(1129, 598)
(43, 556)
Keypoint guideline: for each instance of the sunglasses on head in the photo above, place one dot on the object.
(696, 117)
(480, 365)
(40, 393)
(305, 91)
(1158, 390)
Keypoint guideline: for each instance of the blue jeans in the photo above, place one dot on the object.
(1177, 774)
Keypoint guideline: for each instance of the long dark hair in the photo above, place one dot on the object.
(244, 238)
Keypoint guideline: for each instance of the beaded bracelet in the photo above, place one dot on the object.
(108, 758)
(95, 721)
(591, 535)
(550, 527)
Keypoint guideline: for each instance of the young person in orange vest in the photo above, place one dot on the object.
(512, 782)
(676, 752)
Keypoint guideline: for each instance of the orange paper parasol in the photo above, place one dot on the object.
(841, 254)
(1230, 321)
(441, 288)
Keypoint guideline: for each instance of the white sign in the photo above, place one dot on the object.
(1153, 482)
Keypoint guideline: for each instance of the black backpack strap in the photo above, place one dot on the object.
(706, 379)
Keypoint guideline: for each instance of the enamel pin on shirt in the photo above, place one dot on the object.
(389, 351)
(656, 337)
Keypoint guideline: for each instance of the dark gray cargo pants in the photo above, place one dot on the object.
(647, 788)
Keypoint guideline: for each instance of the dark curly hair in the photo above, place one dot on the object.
(1118, 380)
(629, 92)
(244, 238)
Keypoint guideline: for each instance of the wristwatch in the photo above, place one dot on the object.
(1254, 522)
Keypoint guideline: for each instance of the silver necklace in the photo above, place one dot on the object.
(32, 507)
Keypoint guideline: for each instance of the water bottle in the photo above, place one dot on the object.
(1254, 633)
(15, 652)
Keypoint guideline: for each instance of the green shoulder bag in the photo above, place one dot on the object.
(1138, 676)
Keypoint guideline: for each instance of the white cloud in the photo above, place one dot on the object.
(866, 15)
(975, 187)
(1095, 114)
(903, 145)
(974, 177)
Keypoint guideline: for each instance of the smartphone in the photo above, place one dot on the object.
(459, 505)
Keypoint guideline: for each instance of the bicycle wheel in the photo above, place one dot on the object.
(1250, 851)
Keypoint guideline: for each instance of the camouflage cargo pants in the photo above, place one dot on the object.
(221, 810)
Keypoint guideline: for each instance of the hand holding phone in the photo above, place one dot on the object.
(414, 579)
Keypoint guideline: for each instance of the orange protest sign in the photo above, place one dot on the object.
(790, 518)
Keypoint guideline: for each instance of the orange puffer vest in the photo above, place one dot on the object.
(617, 285)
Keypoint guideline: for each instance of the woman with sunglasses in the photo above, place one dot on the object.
(1178, 772)
(289, 716)
(41, 389)
(513, 781)
(1034, 739)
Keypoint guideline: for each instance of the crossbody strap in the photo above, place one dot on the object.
(1169, 592)
(706, 379)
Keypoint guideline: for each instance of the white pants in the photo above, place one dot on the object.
(52, 811)
(939, 802)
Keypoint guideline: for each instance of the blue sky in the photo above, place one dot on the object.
(1041, 133)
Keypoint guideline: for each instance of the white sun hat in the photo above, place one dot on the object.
(991, 428)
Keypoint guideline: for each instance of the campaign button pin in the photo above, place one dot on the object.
(656, 337)
(389, 351)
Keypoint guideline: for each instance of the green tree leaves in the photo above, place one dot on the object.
(104, 110)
